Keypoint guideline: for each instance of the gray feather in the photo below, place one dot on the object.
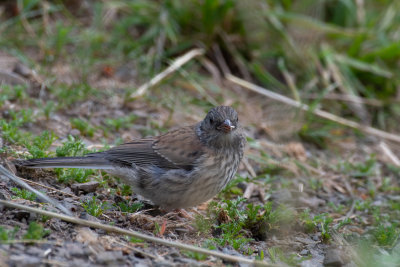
(89, 162)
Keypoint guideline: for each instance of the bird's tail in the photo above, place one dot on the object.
(67, 162)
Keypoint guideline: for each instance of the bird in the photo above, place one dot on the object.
(179, 169)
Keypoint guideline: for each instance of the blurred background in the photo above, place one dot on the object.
(340, 55)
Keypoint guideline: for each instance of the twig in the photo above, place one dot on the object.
(48, 187)
(176, 64)
(118, 230)
(54, 262)
(221, 60)
(249, 167)
(25, 22)
(198, 87)
(389, 153)
(212, 69)
(243, 69)
(135, 249)
(289, 79)
(249, 190)
(349, 98)
(357, 108)
(4, 172)
(351, 210)
(318, 112)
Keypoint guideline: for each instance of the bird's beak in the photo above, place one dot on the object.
(226, 126)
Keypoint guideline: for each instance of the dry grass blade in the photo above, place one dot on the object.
(4, 172)
(48, 187)
(389, 153)
(317, 112)
(176, 64)
(349, 98)
(135, 234)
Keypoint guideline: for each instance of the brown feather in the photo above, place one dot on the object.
(181, 147)
(166, 151)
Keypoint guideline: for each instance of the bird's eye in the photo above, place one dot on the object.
(211, 121)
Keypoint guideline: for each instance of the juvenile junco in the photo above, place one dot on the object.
(179, 169)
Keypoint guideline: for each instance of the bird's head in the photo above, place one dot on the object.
(220, 128)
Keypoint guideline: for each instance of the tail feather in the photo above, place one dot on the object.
(67, 162)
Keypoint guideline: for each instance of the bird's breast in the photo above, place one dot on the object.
(218, 169)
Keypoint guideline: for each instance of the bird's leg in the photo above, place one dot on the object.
(180, 214)
(184, 214)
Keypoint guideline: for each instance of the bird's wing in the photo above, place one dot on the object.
(182, 147)
(174, 150)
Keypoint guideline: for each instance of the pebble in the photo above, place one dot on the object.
(24, 260)
(109, 257)
(333, 258)
(304, 252)
(34, 251)
(88, 187)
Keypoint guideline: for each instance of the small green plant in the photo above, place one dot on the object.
(120, 122)
(23, 193)
(70, 94)
(77, 175)
(363, 205)
(231, 231)
(260, 256)
(195, 255)
(358, 170)
(6, 235)
(49, 108)
(36, 231)
(276, 254)
(23, 116)
(342, 223)
(71, 148)
(94, 206)
(321, 222)
(44, 218)
(232, 189)
(125, 190)
(135, 240)
(12, 93)
(316, 135)
(203, 224)
(157, 229)
(10, 129)
(386, 236)
(233, 235)
(131, 208)
(336, 208)
(315, 184)
(83, 126)
(40, 144)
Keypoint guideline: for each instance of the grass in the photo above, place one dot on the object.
(129, 207)
(39, 145)
(120, 123)
(77, 175)
(195, 255)
(71, 148)
(83, 126)
(23, 193)
(8, 234)
(95, 207)
(35, 232)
